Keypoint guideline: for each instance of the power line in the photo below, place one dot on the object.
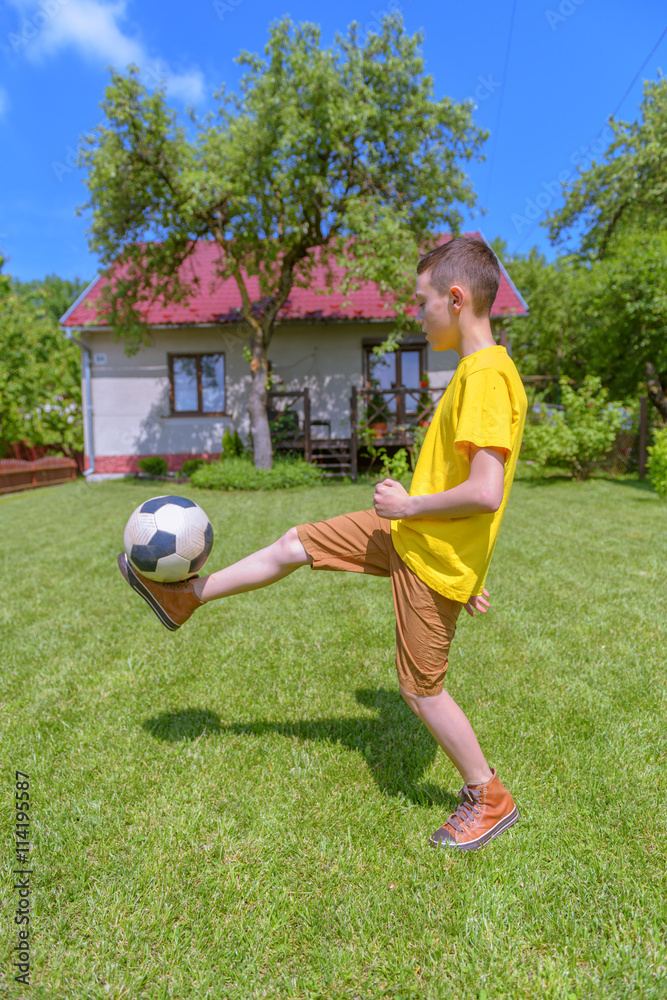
(500, 103)
(634, 79)
(597, 136)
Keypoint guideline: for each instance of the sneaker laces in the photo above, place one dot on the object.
(181, 584)
(467, 810)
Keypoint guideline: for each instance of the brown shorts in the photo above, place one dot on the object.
(425, 620)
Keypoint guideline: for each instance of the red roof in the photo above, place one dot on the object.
(218, 301)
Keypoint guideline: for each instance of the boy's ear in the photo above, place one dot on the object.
(457, 294)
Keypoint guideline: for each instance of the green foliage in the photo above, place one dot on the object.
(605, 317)
(580, 435)
(191, 465)
(232, 445)
(397, 466)
(154, 465)
(418, 435)
(284, 426)
(657, 465)
(619, 206)
(40, 378)
(240, 474)
(551, 340)
(52, 295)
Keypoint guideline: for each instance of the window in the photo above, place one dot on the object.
(197, 383)
(404, 367)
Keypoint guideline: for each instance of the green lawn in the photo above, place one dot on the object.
(242, 809)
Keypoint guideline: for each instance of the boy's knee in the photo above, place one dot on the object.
(292, 548)
(411, 699)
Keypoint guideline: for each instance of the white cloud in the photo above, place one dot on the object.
(93, 28)
(4, 102)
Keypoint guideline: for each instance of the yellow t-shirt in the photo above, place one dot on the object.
(484, 404)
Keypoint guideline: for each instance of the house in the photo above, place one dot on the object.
(178, 395)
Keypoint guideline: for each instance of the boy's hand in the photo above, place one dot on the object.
(390, 499)
(477, 604)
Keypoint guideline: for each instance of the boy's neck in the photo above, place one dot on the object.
(474, 335)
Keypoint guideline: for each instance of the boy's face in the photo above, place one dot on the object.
(438, 314)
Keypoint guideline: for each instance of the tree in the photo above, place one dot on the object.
(630, 188)
(340, 152)
(620, 205)
(52, 294)
(40, 381)
(552, 339)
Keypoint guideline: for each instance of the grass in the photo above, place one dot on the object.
(242, 809)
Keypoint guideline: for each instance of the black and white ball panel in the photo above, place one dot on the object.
(168, 538)
(151, 506)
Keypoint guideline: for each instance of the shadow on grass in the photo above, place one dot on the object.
(395, 745)
(641, 485)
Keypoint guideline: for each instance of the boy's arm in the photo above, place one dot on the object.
(481, 493)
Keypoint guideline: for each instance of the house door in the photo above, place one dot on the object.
(403, 367)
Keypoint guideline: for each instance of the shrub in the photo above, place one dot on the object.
(155, 465)
(578, 436)
(418, 436)
(657, 465)
(191, 465)
(397, 467)
(239, 473)
(232, 445)
(283, 425)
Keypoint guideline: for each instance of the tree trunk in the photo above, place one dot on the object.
(655, 390)
(259, 421)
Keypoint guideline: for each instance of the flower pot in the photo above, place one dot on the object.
(379, 428)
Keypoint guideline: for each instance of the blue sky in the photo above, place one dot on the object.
(545, 96)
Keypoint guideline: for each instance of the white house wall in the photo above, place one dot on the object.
(130, 395)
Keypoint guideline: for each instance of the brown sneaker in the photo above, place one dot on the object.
(485, 812)
(173, 603)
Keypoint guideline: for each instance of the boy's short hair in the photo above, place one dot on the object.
(467, 260)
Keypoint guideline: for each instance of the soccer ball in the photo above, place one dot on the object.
(168, 538)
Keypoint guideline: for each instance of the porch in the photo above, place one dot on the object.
(378, 417)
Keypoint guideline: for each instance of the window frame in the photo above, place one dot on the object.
(408, 344)
(198, 355)
(419, 346)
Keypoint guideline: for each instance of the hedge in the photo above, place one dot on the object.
(240, 474)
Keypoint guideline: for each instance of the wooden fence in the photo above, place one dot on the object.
(16, 474)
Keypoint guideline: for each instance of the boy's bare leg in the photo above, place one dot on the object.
(450, 728)
(257, 570)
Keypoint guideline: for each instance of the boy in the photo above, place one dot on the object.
(435, 543)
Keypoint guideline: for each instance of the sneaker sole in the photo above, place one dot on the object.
(503, 824)
(136, 584)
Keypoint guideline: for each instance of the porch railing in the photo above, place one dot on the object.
(393, 414)
(289, 427)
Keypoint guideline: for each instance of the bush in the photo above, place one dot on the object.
(191, 465)
(396, 467)
(238, 473)
(418, 436)
(657, 464)
(153, 466)
(232, 445)
(580, 435)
